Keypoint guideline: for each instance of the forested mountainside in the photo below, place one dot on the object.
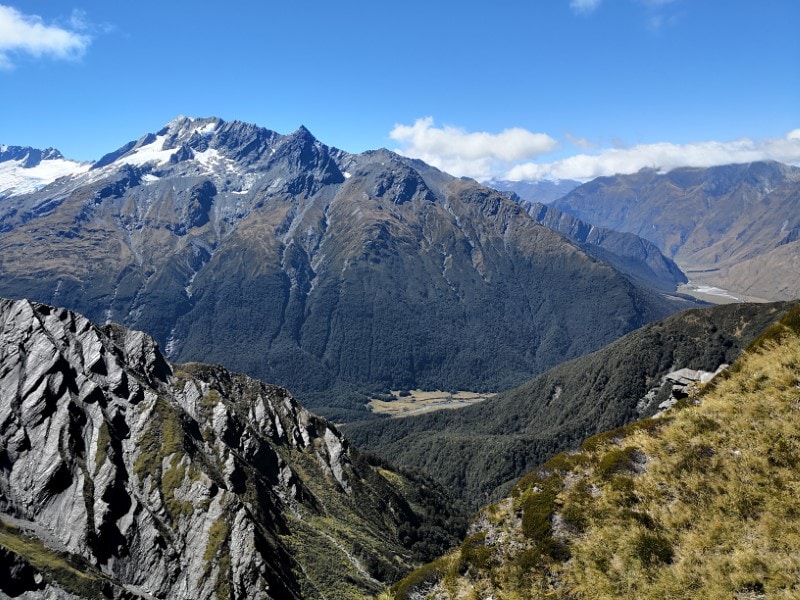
(125, 476)
(734, 226)
(698, 503)
(481, 450)
(330, 273)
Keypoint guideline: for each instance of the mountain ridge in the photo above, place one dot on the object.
(185, 481)
(480, 450)
(696, 503)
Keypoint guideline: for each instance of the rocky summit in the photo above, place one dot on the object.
(334, 274)
(124, 476)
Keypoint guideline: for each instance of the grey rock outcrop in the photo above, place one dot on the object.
(675, 385)
(163, 481)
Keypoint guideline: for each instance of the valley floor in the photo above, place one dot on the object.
(420, 401)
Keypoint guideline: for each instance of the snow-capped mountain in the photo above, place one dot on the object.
(24, 169)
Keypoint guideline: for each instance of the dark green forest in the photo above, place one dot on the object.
(481, 450)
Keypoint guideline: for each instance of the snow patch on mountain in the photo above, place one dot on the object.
(15, 179)
(147, 153)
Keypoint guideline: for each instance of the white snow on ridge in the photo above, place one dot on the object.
(15, 179)
(207, 129)
(152, 152)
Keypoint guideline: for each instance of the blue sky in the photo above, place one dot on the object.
(540, 88)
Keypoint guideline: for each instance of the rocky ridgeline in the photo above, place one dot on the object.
(188, 481)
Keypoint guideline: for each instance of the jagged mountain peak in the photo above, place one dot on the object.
(304, 132)
(204, 139)
(28, 157)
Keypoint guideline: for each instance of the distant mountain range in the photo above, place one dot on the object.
(544, 190)
(736, 227)
(330, 273)
(629, 254)
(124, 476)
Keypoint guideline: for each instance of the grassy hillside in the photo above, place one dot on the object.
(481, 450)
(700, 503)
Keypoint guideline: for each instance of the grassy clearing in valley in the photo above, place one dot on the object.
(415, 402)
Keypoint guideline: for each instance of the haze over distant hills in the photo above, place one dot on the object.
(323, 271)
(544, 190)
(736, 226)
(630, 254)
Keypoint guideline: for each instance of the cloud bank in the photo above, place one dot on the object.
(514, 153)
(478, 155)
(27, 34)
(664, 156)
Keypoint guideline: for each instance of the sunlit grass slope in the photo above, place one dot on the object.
(701, 503)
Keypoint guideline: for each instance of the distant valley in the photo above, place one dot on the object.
(733, 227)
(481, 450)
(697, 503)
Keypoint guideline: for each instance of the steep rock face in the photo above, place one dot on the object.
(330, 273)
(181, 482)
(710, 221)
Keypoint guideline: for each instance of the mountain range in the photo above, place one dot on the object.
(623, 455)
(629, 254)
(735, 227)
(336, 275)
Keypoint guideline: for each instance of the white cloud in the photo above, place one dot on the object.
(477, 154)
(584, 7)
(663, 156)
(27, 34)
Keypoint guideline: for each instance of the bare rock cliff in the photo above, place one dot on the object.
(124, 476)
